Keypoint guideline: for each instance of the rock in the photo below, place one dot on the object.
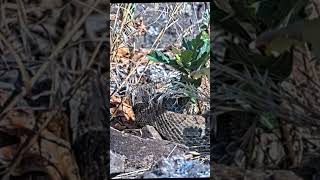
(178, 167)
(117, 163)
(150, 132)
(140, 152)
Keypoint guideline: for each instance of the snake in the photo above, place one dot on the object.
(190, 130)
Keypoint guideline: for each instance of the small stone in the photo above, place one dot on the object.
(117, 163)
(178, 167)
(150, 132)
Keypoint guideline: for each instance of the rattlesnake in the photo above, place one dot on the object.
(191, 130)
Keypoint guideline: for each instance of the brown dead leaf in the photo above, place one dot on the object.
(57, 125)
(121, 108)
(141, 55)
(50, 154)
(114, 100)
(123, 52)
(18, 118)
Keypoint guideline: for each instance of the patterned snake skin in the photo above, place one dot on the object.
(191, 130)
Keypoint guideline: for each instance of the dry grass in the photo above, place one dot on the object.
(54, 51)
(127, 30)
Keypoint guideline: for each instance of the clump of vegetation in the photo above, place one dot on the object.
(265, 72)
(190, 60)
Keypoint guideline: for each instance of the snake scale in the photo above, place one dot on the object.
(190, 130)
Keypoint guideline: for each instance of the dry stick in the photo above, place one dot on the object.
(24, 31)
(169, 24)
(63, 42)
(113, 47)
(129, 75)
(308, 54)
(59, 46)
(3, 16)
(288, 143)
(22, 17)
(130, 173)
(172, 151)
(33, 139)
(166, 27)
(116, 110)
(80, 78)
(116, 19)
(195, 13)
(121, 28)
(157, 39)
(22, 68)
(95, 52)
(94, 8)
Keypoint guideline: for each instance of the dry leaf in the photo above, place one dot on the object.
(123, 52)
(52, 154)
(121, 108)
(18, 118)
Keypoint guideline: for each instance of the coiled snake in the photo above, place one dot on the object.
(191, 130)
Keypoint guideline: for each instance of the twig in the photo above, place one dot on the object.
(172, 151)
(63, 42)
(22, 68)
(27, 145)
(126, 13)
(131, 173)
(169, 24)
(43, 68)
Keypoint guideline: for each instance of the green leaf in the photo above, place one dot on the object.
(202, 53)
(295, 34)
(186, 43)
(175, 50)
(292, 15)
(280, 44)
(197, 42)
(204, 35)
(269, 120)
(200, 73)
(186, 58)
(178, 62)
(188, 80)
(158, 56)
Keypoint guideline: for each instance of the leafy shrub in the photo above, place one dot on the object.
(190, 61)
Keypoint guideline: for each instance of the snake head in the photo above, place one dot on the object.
(138, 107)
(141, 94)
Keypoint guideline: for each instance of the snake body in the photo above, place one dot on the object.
(191, 130)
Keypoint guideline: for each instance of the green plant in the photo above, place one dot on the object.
(191, 60)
